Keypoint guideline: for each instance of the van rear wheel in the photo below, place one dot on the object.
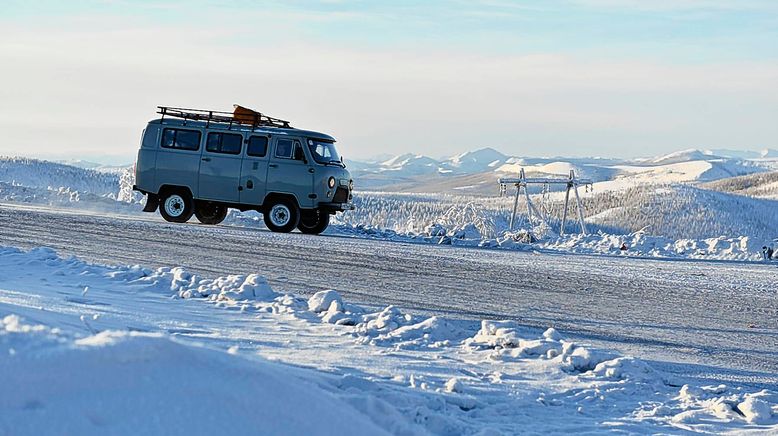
(176, 206)
(281, 216)
(313, 222)
(208, 212)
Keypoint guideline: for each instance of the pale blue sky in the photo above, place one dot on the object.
(579, 77)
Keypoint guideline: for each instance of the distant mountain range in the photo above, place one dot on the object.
(477, 171)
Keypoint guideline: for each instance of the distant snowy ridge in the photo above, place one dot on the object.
(410, 164)
(685, 156)
(760, 185)
(476, 161)
(80, 163)
(474, 171)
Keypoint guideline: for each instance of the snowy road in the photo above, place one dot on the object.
(721, 315)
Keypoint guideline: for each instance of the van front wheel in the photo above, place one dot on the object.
(281, 216)
(208, 212)
(176, 206)
(313, 222)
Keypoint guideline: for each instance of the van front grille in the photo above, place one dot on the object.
(341, 195)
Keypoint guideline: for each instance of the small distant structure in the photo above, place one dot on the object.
(571, 183)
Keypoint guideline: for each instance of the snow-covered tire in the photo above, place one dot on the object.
(313, 222)
(208, 212)
(176, 206)
(281, 215)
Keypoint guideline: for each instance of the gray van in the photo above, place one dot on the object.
(195, 162)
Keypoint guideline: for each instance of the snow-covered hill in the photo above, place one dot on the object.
(760, 185)
(682, 211)
(410, 165)
(34, 173)
(480, 160)
(557, 168)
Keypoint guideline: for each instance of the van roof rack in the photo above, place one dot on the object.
(240, 115)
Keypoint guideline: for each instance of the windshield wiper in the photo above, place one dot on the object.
(336, 162)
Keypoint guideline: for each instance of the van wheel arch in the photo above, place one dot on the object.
(166, 189)
(274, 197)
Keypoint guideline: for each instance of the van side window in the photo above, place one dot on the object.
(257, 146)
(284, 148)
(227, 143)
(181, 139)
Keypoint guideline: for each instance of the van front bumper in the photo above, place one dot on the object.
(336, 207)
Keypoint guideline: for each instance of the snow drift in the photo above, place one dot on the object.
(70, 359)
(120, 382)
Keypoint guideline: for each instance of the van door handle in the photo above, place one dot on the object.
(273, 165)
(311, 170)
(206, 159)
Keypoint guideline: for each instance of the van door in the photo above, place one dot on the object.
(220, 167)
(178, 158)
(289, 175)
(254, 173)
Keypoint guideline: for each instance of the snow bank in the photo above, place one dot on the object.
(417, 374)
(432, 332)
(622, 378)
(711, 404)
(505, 339)
(637, 244)
(644, 245)
(147, 383)
(323, 300)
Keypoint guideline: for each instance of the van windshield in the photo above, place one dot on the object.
(324, 152)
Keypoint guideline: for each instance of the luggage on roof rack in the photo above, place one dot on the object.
(240, 115)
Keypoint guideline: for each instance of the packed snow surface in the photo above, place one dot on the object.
(657, 308)
(95, 349)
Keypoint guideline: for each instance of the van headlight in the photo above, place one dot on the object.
(331, 182)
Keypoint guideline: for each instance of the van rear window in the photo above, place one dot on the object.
(181, 139)
(257, 146)
(228, 143)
